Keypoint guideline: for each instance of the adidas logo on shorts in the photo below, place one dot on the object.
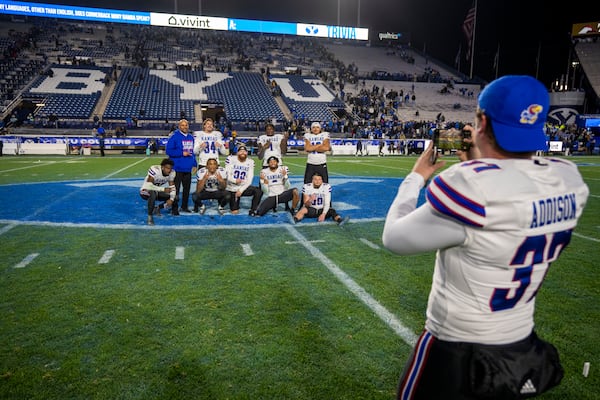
(528, 387)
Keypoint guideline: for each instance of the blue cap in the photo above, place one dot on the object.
(517, 106)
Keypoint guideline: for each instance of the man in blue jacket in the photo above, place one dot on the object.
(180, 148)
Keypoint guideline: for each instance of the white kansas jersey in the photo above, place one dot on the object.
(518, 216)
(213, 142)
(314, 157)
(319, 197)
(212, 183)
(273, 146)
(278, 180)
(237, 169)
(160, 180)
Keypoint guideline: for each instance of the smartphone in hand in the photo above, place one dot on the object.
(449, 139)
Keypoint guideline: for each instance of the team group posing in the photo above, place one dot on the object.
(198, 153)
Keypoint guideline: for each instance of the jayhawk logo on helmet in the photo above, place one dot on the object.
(530, 115)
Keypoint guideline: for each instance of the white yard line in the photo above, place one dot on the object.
(106, 257)
(7, 228)
(247, 249)
(125, 168)
(390, 319)
(37, 164)
(310, 241)
(586, 237)
(180, 253)
(370, 244)
(27, 260)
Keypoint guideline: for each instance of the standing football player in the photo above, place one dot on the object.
(316, 145)
(159, 184)
(271, 144)
(208, 143)
(497, 220)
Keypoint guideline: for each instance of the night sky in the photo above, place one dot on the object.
(521, 29)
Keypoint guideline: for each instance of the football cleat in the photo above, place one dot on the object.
(342, 221)
(221, 210)
(150, 220)
(202, 209)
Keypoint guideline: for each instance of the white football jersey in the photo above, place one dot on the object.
(211, 150)
(518, 216)
(321, 196)
(314, 157)
(239, 170)
(212, 183)
(278, 180)
(273, 148)
(161, 180)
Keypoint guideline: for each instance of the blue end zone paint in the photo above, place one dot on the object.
(117, 202)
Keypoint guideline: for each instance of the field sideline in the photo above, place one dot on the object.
(234, 308)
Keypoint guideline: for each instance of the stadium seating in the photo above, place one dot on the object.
(165, 94)
(69, 92)
(588, 52)
(308, 97)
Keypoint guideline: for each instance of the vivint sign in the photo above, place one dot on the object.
(188, 21)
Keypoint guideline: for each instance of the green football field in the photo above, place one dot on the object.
(306, 311)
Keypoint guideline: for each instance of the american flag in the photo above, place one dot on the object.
(469, 28)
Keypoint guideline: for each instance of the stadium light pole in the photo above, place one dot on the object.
(473, 42)
(358, 15)
(569, 59)
(175, 6)
(199, 7)
(338, 14)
